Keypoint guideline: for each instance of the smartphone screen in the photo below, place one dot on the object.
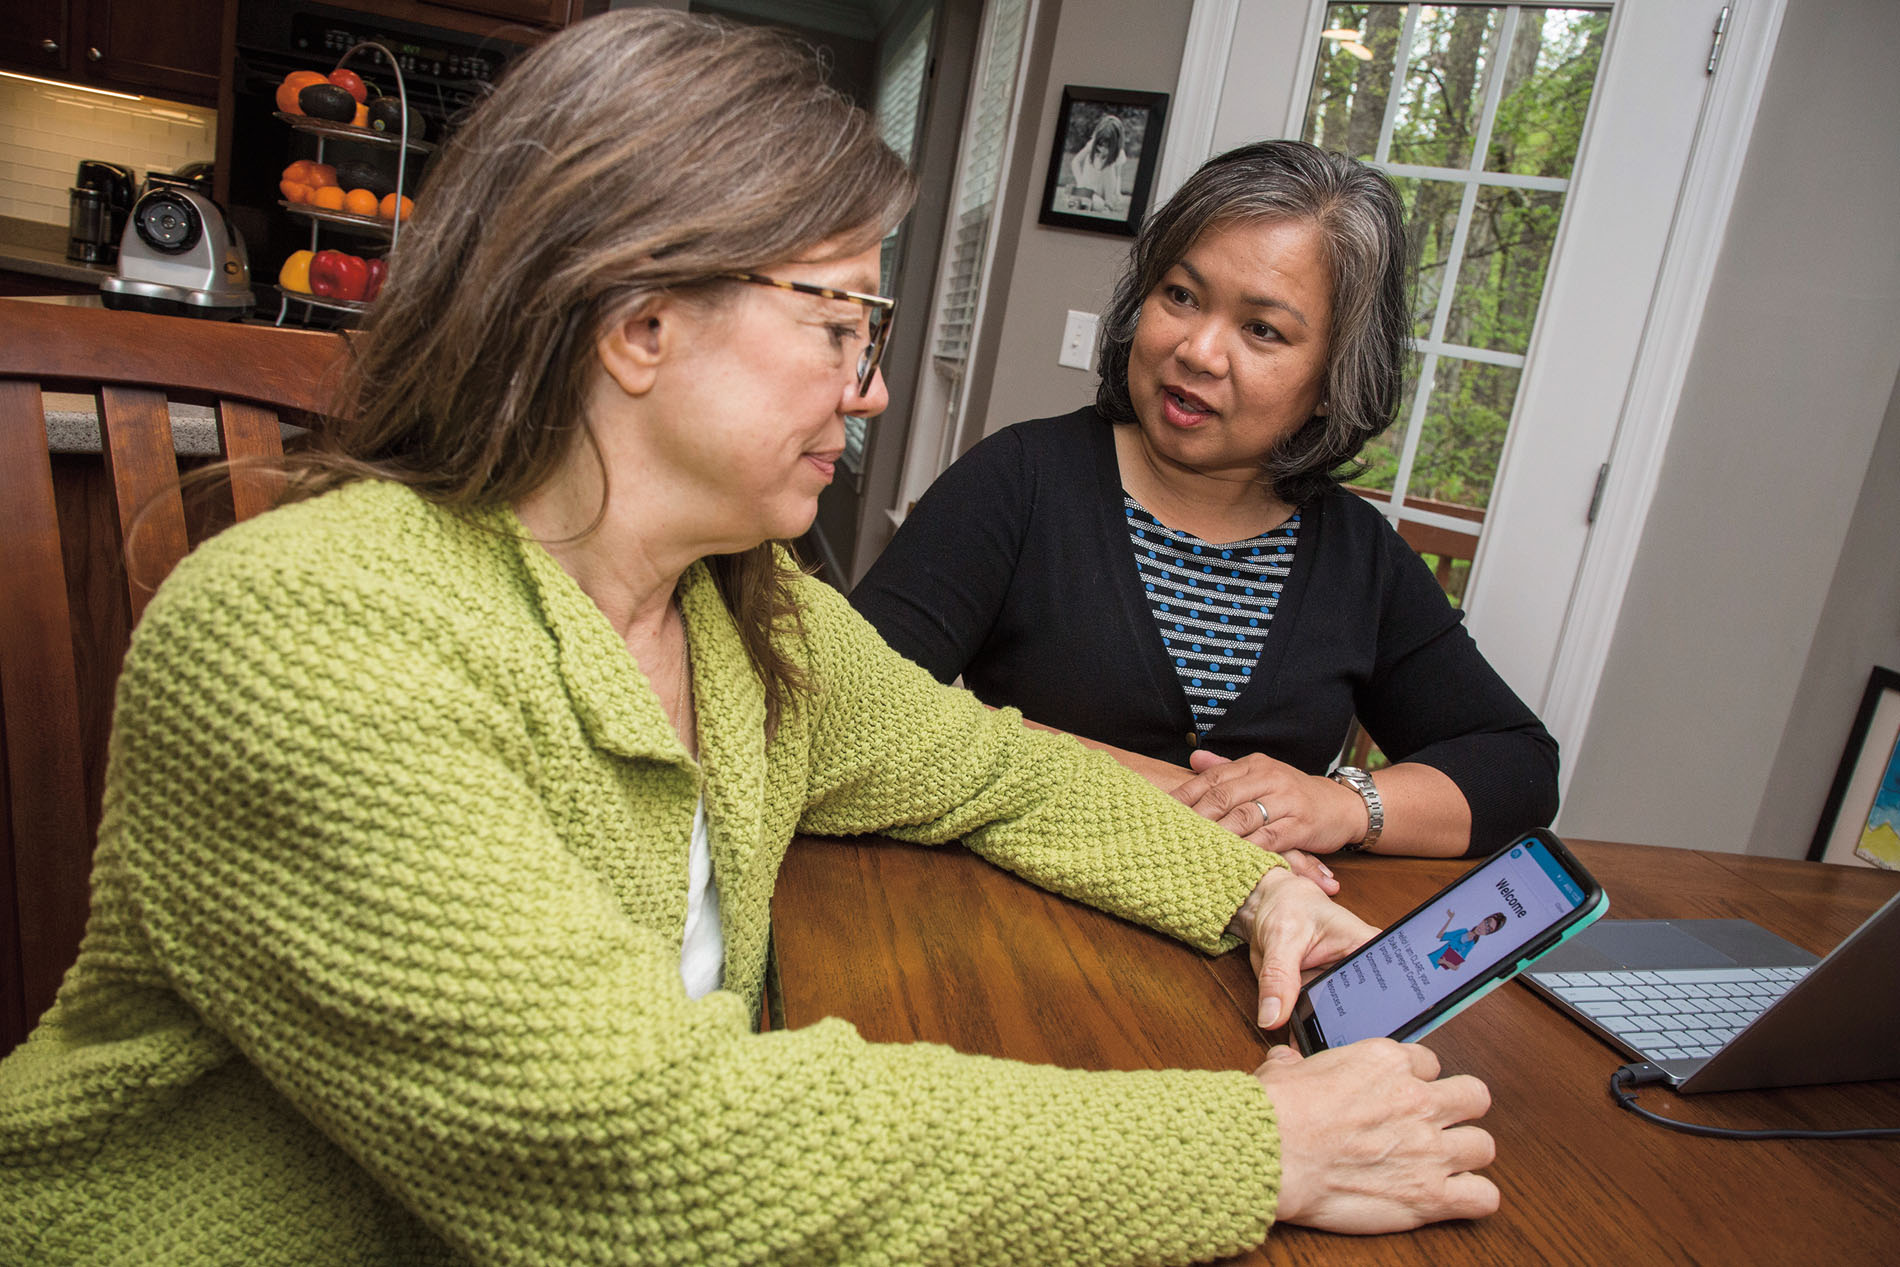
(1472, 935)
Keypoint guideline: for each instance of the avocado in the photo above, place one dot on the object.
(327, 101)
(385, 115)
(354, 173)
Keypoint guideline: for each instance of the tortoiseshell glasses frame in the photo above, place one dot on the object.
(883, 312)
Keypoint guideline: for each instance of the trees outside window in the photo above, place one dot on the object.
(1476, 112)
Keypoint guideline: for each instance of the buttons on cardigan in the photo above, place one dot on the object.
(1194, 739)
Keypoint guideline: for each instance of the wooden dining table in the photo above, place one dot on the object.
(913, 943)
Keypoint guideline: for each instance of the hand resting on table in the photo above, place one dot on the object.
(1373, 1140)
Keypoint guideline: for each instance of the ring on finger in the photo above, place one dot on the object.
(1265, 817)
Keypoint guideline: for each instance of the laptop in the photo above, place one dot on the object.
(1725, 1005)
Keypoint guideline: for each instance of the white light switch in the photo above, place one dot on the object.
(1078, 340)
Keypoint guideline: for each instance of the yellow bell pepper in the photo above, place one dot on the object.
(295, 274)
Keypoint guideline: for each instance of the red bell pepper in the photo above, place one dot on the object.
(334, 275)
(378, 274)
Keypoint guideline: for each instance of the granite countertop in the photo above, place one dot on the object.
(72, 426)
(27, 246)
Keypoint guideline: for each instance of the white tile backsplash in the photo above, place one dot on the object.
(46, 129)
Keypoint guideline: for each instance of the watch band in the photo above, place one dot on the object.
(1361, 782)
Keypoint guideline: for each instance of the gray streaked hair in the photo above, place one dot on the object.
(1361, 224)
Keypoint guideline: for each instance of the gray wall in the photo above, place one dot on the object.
(1860, 628)
(1766, 586)
(1133, 44)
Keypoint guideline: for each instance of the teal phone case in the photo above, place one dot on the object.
(1595, 913)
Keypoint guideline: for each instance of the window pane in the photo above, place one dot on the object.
(900, 89)
(1438, 110)
(1458, 451)
(1547, 81)
(1381, 454)
(1353, 78)
(1507, 251)
(1431, 219)
(978, 178)
(1539, 84)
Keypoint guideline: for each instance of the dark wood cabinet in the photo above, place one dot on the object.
(175, 48)
(36, 39)
(169, 48)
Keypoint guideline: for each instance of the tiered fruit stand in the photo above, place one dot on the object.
(326, 131)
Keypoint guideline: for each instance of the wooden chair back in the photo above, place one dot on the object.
(68, 600)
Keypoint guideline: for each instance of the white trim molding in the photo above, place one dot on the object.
(1197, 90)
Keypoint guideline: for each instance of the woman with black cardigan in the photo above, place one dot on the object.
(1176, 570)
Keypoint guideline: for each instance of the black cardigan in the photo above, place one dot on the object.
(1015, 571)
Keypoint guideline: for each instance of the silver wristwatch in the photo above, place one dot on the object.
(1361, 782)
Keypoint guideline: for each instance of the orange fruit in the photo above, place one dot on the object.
(387, 208)
(294, 190)
(320, 174)
(295, 82)
(360, 202)
(329, 198)
(362, 116)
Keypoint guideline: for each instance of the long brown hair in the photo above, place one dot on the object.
(637, 153)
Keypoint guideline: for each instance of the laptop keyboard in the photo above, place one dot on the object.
(1682, 1014)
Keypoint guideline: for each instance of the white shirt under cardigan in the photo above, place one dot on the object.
(703, 949)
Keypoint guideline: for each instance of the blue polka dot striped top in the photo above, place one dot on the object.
(1212, 603)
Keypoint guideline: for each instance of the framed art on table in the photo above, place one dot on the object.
(1102, 163)
(1860, 824)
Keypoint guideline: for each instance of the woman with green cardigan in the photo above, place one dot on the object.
(445, 802)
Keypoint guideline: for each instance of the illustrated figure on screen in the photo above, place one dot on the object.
(1459, 941)
(1096, 168)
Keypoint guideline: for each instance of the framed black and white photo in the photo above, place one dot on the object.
(1860, 823)
(1102, 164)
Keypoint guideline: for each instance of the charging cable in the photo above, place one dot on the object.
(1644, 1074)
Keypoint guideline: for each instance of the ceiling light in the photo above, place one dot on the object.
(1349, 41)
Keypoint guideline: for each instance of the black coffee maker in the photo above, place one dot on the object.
(100, 200)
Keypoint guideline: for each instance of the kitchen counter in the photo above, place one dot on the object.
(39, 250)
(72, 426)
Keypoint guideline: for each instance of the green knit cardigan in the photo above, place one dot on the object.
(383, 959)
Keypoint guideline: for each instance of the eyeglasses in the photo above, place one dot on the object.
(883, 311)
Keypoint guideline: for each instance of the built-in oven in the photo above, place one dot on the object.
(445, 71)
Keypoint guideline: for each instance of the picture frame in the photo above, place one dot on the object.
(1860, 823)
(1102, 161)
